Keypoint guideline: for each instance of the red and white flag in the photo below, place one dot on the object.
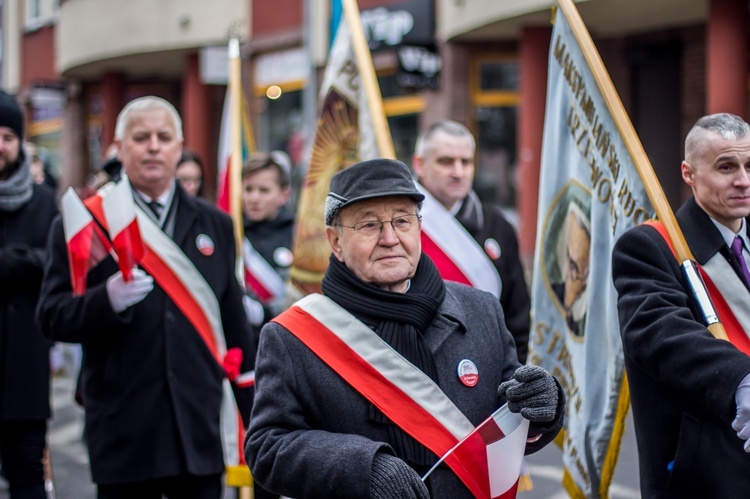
(119, 210)
(225, 154)
(493, 453)
(86, 243)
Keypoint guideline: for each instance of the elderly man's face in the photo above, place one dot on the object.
(386, 258)
(150, 150)
(10, 146)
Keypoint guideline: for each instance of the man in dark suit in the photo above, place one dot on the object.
(152, 382)
(26, 214)
(690, 392)
(443, 162)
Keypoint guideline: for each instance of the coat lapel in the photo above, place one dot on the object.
(186, 216)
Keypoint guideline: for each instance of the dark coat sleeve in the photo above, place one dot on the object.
(661, 331)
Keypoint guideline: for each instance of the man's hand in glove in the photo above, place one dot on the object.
(532, 391)
(126, 294)
(741, 423)
(393, 478)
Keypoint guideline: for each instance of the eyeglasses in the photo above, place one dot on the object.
(575, 269)
(373, 228)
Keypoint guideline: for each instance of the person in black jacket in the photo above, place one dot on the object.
(153, 380)
(26, 214)
(443, 162)
(690, 392)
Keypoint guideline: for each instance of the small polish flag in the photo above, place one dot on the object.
(493, 454)
(78, 225)
(119, 210)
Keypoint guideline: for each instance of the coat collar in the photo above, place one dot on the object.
(701, 234)
(449, 319)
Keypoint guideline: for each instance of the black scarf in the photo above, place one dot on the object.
(400, 319)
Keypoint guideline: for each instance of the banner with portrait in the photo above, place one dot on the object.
(589, 194)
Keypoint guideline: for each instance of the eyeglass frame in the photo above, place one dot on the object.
(382, 224)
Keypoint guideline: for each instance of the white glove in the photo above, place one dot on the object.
(253, 310)
(126, 294)
(741, 423)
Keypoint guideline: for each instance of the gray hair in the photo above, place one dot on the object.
(726, 125)
(142, 104)
(449, 127)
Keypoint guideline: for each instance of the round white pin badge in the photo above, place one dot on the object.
(204, 244)
(468, 373)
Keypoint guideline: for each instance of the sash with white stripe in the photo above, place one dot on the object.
(173, 271)
(260, 276)
(728, 293)
(456, 254)
(406, 395)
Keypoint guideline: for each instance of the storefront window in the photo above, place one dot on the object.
(494, 82)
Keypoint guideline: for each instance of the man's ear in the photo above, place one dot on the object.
(334, 240)
(687, 173)
(416, 165)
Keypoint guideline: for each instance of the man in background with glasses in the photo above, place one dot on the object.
(317, 428)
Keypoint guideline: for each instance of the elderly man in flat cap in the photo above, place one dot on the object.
(325, 421)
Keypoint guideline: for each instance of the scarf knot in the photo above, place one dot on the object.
(401, 320)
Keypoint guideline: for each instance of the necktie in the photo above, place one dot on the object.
(156, 207)
(737, 250)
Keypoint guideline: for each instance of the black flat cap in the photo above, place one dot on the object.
(375, 178)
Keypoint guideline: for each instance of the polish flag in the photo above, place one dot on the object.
(493, 454)
(119, 210)
(78, 225)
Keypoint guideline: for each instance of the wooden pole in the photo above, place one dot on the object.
(235, 163)
(631, 141)
(369, 80)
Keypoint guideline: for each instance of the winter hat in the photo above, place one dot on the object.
(10, 114)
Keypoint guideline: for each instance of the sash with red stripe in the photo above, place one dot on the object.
(728, 294)
(456, 254)
(400, 390)
(260, 276)
(192, 295)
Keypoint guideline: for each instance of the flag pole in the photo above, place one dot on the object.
(369, 80)
(235, 163)
(640, 159)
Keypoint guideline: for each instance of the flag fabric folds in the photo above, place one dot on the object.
(87, 244)
(119, 210)
(493, 453)
(225, 147)
(590, 193)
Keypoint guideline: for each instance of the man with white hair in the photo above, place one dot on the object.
(690, 392)
(152, 381)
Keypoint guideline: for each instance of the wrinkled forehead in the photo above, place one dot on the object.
(381, 208)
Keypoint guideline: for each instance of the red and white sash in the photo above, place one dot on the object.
(728, 293)
(400, 390)
(173, 271)
(260, 276)
(456, 254)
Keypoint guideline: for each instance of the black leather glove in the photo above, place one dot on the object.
(21, 264)
(393, 478)
(533, 392)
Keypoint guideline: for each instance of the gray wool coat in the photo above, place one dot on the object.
(309, 435)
